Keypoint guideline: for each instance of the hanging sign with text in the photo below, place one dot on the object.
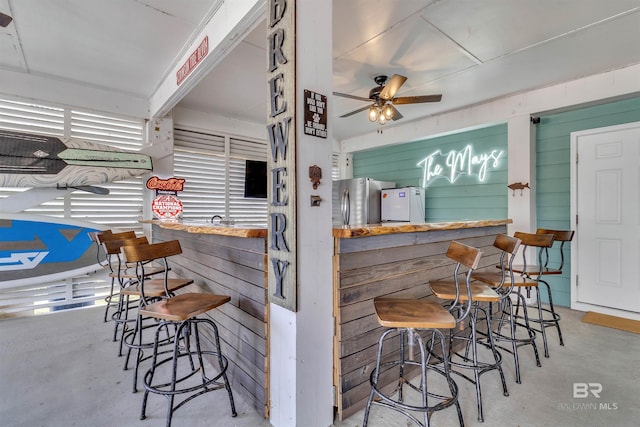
(194, 59)
(315, 114)
(281, 131)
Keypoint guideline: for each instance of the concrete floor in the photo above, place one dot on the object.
(61, 370)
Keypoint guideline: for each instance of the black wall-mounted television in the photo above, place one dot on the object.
(255, 179)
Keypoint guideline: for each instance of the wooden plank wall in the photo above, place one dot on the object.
(399, 265)
(233, 266)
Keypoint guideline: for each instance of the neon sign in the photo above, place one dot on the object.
(454, 164)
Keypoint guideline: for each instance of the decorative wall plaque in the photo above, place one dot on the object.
(315, 175)
(315, 114)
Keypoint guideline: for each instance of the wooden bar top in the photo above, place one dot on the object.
(347, 232)
(203, 227)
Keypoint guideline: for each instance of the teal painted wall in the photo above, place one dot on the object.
(468, 199)
(553, 192)
(464, 199)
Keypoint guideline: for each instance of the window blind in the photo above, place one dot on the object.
(214, 169)
(121, 209)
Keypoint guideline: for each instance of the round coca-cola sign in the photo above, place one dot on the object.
(166, 207)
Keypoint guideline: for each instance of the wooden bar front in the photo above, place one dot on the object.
(230, 261)
(397, 261)
(368, 261)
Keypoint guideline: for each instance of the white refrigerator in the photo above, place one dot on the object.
(405, 204)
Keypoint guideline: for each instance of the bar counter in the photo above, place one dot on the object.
(203, 227)
(394, 228)
(368, 261)
(230, 260)
(388, 260)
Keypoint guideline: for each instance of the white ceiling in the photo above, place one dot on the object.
(468, 50)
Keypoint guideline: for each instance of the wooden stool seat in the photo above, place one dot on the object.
(479, 291)
(535, 270)
(412, 313)
(494, 279)
(154, 288)
(184, 306)
(127, 272)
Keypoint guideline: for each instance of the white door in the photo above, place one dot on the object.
(607, 194)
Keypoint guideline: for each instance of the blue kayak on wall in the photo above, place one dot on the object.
(36, 249)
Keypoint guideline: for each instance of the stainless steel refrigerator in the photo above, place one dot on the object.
(357, 201)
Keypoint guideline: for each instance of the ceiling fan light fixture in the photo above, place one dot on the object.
(388, 111)
(382, 119)
(373, 113)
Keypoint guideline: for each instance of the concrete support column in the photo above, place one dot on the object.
(301, 342)
(521, 135)
(522, 168)
(158, 144)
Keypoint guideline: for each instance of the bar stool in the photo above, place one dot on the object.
(149, 290)
(467, 299)
(100, 238)
(504, 282)
(93, 236)
(561, 236)
(126, 276)
(409, 317)
(179, 311)
(529, 276)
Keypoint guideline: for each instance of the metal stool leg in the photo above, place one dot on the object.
(396, 399)
(530, 331)
(177, 383)
(109, 301)
(469, 358)
(541, 322)
(555, 317)
(453, 387)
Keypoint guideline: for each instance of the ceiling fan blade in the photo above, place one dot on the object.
(346, 95)
(396, 113)
(416, 99)
(366, 107)
(391, 88)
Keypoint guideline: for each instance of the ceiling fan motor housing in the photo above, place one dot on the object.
(380, 80)
(374, 94)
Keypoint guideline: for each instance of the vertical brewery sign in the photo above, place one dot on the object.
(281, 132)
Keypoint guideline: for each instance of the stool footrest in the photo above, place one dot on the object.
(162, 388)
(445, 401)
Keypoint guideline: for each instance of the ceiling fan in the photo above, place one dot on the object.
(384, 100)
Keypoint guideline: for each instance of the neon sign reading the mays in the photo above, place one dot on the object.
(454, 164)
